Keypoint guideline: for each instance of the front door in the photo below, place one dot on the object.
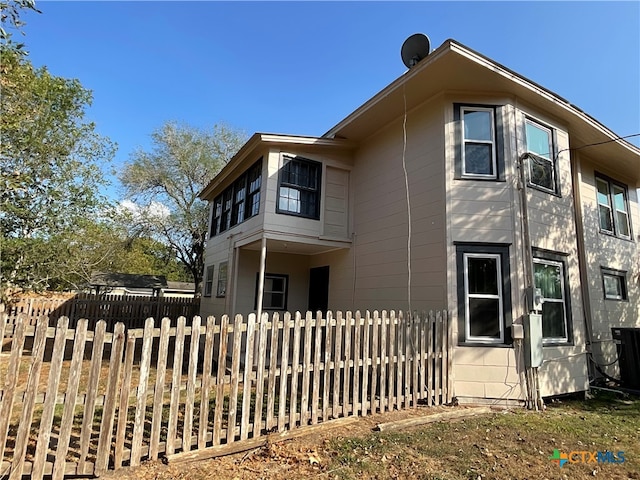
(319, 289)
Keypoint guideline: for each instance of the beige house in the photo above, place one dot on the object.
(458, 186)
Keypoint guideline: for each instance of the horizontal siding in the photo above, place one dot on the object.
(607, 251)
(381, 215)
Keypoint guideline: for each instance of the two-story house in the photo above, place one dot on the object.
(457, 186)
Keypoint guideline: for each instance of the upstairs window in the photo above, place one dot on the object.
(613, 209)
(238, 202)
(542, 168)
(216, 217)
(239, 193)
(479, 142)
(253, 190)
(299, 188)
(479, 152)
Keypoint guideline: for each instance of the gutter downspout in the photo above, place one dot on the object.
(534, 399)
(582, 264)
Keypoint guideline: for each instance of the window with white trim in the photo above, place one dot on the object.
(221, 291)
(479, 144)
(484, 304)
(614, 284)
(483, 297)
(542, 168)
(613, 208)
(549, 277)
(208, 283)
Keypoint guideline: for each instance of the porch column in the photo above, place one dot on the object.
(263, 261)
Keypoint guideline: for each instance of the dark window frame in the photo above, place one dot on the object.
(621, 275)
(498, 142)
(285, 292)
(288, 161)
(254, 185)
(238, 202)
(490, 250)
(557, 257)
(612, 207)
(216, 216)
(208, 283)
(534, 157)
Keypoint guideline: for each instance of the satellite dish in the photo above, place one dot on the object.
(414, 49)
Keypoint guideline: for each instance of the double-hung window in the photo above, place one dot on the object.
(614, 283)
(550, 278)
(542, 168)
(274, 296)
(208, 281)
(479, 149)
(299, 188)
(479, 142)
(253, 190)
(483, 293)
(221, 291)
(216, 217)
(238, 202)
(227, 202)
(239, 194)
(613, 209)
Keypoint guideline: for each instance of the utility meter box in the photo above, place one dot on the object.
(533, 340)
(534, 299)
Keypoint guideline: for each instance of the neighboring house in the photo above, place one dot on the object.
(416, 200)
(139, 285)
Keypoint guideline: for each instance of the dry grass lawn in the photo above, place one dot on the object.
(510, 444)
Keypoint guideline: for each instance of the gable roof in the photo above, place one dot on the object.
(453, 67)
(127, 280)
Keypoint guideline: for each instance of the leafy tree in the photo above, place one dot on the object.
(50, 169)
(106, 247)
(10, 20)
(181, 163)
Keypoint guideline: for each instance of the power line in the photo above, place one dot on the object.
(594, 144)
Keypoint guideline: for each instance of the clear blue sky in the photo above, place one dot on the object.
(300, 67)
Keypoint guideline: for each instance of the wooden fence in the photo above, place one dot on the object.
(128, 309)
(170, 391)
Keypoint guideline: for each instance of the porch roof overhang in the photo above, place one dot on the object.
(454, 68)
(292, 244)
(262, 140)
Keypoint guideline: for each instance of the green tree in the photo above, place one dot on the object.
(10, 20)
(50, 169)
(106, 246)
(165, 183)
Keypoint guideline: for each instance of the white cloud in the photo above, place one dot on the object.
(155, 210)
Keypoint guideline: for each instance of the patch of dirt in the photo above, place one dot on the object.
(301, 457)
